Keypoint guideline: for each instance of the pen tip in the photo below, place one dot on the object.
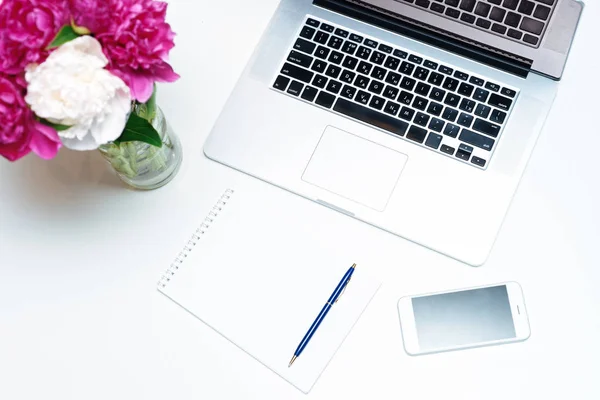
(292, 361)
(353, 265)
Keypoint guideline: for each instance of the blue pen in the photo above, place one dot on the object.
(335, 296)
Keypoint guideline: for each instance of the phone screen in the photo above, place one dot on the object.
(463, 318)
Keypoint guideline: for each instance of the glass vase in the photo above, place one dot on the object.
(141, 165)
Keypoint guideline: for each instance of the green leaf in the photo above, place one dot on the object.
(66, 34)
(138, 129)
(56, 127)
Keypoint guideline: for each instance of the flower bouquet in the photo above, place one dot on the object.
(83, 73)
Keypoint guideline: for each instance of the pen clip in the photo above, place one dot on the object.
(343, 290)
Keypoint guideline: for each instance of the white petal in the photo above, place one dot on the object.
(115, 118)
(85, 144)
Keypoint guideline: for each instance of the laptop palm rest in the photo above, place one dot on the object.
(355, 168)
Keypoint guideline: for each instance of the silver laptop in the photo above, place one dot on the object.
(415, 116)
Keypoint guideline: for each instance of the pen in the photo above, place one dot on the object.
(335, 296)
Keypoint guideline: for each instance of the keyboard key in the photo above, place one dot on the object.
(349, 47)
(281, 82)
(483, 111)
(452, 13)
(408, 83)
(295, 88)
(450, 84)
(333, 71)
(322, 37)
(296, 72)
(466, 89)
(481, 95)
(433, 140)
(325, 99)
(348, 76)
(422, 3)
(377, 103)
(468, 18)
(467, 105)
(335, 42)
(313, 22)
(348, 92)
(501, 29)
(327, 27)
(436, 124)
(392, 63)
(305, 46)
(420, 103)
(430, 64)
(421, 73)
(308, 32)
(407, 113)
(405, 97)
(393, 78)
(476, 81)
(364, 67)
(510, 4)
(447, 149)
(526, 7)
(446, 70)
(363, 52)
(400, 54)
(309, 93)
(467, 5)
(371, 43)
(530, 39)
(391, 108)
(300, 59)
(322, 52)
(362, 81)
(498, 117)
(476, 139)
(465, 120)
(422, 119)
(406, 68)
(452, 100)
(334, 86)
(453, 3)
(435, 108)
(463, 155)
(461, 75)
(483, 23)
(320, 81)
(363, 97)
(451, 130)
(438, 8)
(391, 92)
(356, 38)
(482, 9)
(417, 134)
(532, 26)
(437, 94)
(486, 127)
(436, 78)
(512, 19)
(450, 114)
(496, 2)
(478, 161)
(500, 102)
(350, 62)
(378, 73)
(364, 114)
(341, 32)
(319, 66)
(513, 33)
(508, 92)
(549, 2)
(385, 48)
(377, 58)
(492, 86)
(376, 87)
(497, 14)
(422, 89)
(415, 59)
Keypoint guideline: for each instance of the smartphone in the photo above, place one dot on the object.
(464, 318)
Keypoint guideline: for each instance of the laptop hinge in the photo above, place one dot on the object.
(413, 29)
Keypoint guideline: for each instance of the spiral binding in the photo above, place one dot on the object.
(196, 236)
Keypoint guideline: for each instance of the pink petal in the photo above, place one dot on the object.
(44, 141)
(141, 87)
(164, 73)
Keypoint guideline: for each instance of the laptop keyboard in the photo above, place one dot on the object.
(431, 104)
(523, 21)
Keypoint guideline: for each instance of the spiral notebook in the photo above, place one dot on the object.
(259, 272)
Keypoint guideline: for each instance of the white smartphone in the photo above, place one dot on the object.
(464, 318)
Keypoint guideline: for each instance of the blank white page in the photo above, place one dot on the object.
(260, 275)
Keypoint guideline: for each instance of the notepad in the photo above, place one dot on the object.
(258, 271)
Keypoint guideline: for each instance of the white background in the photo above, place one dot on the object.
(80, 255)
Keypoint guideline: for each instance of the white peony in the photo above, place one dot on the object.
(72, 88)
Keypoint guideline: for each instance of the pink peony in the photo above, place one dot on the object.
(26, 28)
(138, 44)
(94, 15)
(20, 133)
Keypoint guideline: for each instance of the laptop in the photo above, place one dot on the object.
(415, 116)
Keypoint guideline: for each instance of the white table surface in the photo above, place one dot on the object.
(80, 255)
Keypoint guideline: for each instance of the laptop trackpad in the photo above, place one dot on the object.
(355, 168)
